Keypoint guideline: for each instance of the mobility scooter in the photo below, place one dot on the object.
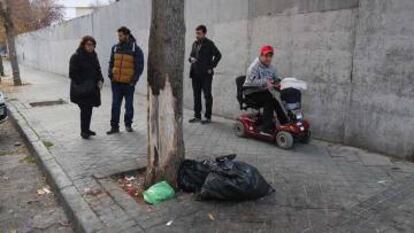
(289, 97)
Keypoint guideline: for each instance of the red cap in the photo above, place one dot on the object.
(266, 50)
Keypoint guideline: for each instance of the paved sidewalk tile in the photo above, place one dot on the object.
(316, 185)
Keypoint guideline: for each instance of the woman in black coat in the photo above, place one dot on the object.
(86, 82)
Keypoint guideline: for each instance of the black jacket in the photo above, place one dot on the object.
(130, 48)
(208, 57)
(84, 68)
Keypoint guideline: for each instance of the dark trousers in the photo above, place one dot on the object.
(202, 85)
(119, 92)
(270, 105)
(85, 117)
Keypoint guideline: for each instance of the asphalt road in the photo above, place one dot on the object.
(25, 204)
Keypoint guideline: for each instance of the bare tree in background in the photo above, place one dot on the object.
(165, 91)
(45, 13)
(32, 15)
(18, 16)
(5, 14)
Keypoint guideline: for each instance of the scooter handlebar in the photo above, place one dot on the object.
(277, 87)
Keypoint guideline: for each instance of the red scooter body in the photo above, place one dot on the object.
(248, 125)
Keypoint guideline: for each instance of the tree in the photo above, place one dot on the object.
(5, 14)
(22, 17)
(32, 15)
(18, 16)
(165, 91)
(45, 13)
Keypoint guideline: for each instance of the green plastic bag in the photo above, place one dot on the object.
(158, 193)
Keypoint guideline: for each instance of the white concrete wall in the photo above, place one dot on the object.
(316, 47)
(341, 48)
(381, 114)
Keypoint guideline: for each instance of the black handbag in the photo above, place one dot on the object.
(84, 89)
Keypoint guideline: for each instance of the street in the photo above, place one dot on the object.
(25, 204)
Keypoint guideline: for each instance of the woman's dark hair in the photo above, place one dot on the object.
(202, 28)
(87, 39)
(124, 30)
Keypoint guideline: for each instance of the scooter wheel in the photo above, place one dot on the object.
(238, 129)
(284, 140)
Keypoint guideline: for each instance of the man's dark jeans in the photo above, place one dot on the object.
(202, 84)
(270, 105)
(119, 92)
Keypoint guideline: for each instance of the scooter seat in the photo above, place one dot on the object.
(245, 103)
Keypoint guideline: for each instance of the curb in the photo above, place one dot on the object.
(83, 219)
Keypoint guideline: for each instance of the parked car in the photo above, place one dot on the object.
(3, 108)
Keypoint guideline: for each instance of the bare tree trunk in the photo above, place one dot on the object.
(5, 13)
(165, 91)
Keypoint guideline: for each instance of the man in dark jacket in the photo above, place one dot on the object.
(125, 67)
(204, 58)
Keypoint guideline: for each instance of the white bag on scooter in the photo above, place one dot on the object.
(291, 82)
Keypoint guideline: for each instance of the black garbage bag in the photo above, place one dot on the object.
(192, 174)
(234, 181)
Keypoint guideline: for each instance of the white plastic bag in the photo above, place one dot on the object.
(291, 82)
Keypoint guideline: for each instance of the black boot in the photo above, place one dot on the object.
(206, 121)
(195, 120)
(266, 131)
(91, 133)
(113, 131)
(85, 135)
(129, 129)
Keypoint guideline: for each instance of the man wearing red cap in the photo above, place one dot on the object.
(261, 77)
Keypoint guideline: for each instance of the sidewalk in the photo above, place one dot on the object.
(320, 187)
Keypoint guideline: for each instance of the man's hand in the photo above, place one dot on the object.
(270, 84)
(193, 60)
(100, 85)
